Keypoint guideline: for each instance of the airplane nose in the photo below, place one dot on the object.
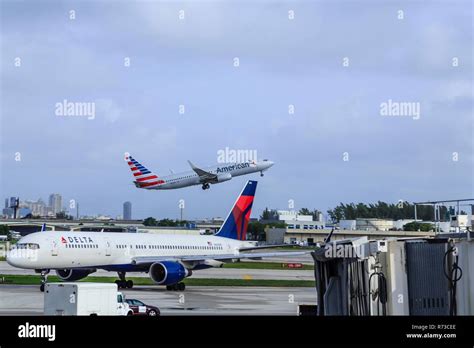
(10, 258)
(268, 164)
(18, 258)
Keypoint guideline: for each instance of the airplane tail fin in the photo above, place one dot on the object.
(235, 226)
(144, 178)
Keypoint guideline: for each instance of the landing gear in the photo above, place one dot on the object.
(44, 279)
(122, 283)
(205, 186)
(176, 287)
(261, 173)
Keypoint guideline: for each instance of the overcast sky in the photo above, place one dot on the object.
(404, 51)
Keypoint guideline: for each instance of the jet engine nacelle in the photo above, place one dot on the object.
(71, 275)
(224, 177)
(168, 272)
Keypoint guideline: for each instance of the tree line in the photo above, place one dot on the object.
(151, 221)
(382, 210)
(272, 214)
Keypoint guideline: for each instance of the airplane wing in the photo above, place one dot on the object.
(258, 247)
(203, 175)
(144, 260)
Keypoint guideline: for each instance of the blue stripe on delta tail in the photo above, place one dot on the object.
(235, 226)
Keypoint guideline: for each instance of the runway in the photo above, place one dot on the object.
(198, 300)
(221, 273)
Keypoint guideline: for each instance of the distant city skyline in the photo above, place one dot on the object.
(40, 208)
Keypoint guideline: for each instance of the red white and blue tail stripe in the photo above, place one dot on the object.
(144, 178)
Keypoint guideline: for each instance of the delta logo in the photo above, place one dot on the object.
(76, 240)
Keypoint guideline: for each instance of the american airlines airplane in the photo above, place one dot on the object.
(146, 179)
(168, 259)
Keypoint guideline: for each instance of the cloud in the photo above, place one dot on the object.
(283, 62)
(108, 109)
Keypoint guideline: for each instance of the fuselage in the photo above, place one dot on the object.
(225, 171)
(63, 250)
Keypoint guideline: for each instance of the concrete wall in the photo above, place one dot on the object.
(275, 235)
(374, 224)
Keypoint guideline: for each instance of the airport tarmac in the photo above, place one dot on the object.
(221, 273)
(195, 300)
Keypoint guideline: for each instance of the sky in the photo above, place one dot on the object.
(335, 62)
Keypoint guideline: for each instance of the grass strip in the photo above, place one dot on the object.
(35, 280)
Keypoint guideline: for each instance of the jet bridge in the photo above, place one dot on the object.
(414, 276)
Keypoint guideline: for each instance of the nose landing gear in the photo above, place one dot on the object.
(122, 283)
(261, 173)
(44, 279)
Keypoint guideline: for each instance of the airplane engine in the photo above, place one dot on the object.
(224, 177)
(168, 272)
(71, 275)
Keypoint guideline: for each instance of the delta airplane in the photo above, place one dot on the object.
(168, 259)
(146, 179)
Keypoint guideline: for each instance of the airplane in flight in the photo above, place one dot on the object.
(146, 179)
(168, 259)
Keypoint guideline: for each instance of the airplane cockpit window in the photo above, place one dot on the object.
(31, 246)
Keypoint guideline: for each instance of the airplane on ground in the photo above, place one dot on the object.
(146, 179)
(168, 259)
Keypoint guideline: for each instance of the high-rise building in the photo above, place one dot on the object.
(127, 211)
(55, 203)
(37, 208)
(7, 211)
